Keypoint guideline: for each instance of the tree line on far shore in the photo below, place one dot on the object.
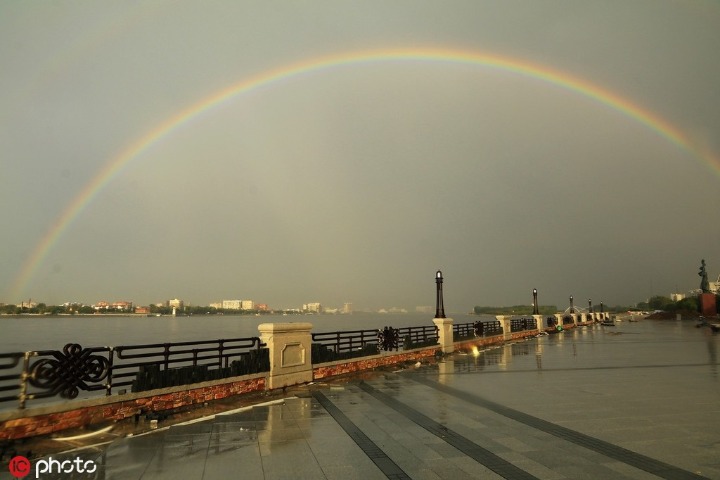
(515, 310)
(657, 302)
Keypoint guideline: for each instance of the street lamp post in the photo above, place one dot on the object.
(572, 306)
(536, 310)
(590, 305)
(439, 307)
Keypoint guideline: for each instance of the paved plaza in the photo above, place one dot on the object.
(583, 404)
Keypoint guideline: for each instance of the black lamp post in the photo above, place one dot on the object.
(601, 308)
(590, 305)
(572, 306)
(439, 307)
(536, 310)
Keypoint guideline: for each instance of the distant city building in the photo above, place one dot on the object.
(312, 308)
(347, 308)
(676, 297)
(143, 310)
(247, 305)
(262, 307)
(121, 306)
(175, 303)
(231, 304)
(217, 305)
(425, 309)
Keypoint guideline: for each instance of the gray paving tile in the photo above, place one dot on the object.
(348, 472)
(234, 462)
(176, 463)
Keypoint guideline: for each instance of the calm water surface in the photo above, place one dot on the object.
(19, 334)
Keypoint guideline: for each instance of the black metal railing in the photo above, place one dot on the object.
(11, 365)
(331, 346)
(49, 373)
(488, 328)
(347, 341)
(417, 337)
(522, 324)
(463, 331)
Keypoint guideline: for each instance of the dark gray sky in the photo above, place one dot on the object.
(356, 183)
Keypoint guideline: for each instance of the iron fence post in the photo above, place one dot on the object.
(108, 383)
(167, 355)
(22, 396)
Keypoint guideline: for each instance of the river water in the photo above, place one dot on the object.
(25, 333)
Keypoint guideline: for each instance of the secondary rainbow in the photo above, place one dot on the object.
(356, 58)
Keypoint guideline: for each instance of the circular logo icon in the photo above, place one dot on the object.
(19, 466)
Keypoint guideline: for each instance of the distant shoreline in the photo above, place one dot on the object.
(44, 315)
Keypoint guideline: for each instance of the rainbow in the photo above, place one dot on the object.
(314, 65)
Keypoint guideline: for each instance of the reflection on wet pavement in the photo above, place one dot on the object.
(582, 403)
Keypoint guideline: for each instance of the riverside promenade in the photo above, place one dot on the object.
(635, 401)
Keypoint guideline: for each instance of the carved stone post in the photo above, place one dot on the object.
(539, 323)
(290, 360)
(505, 324)
(445, 334)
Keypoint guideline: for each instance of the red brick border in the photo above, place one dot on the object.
(45, 423)
(368, 363)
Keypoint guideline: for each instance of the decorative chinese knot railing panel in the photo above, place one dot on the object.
(67, 372)
(388, 339)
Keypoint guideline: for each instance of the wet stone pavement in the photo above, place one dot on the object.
(639, 403)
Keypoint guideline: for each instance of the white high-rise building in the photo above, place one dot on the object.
(247, 305)
(231, 304)
(312, 307)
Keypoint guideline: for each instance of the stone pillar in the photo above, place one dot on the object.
(574, 318)
(559, 320)
(539, 321)
(445, 334)
(289, 345)
(505, 323)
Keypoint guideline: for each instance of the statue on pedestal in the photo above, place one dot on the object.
(704, 284)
